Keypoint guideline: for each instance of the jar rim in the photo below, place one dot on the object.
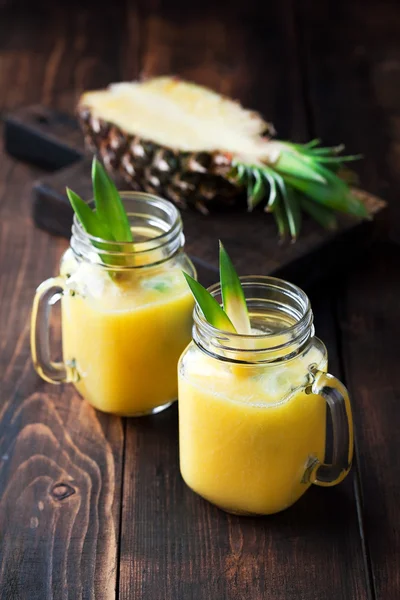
(280, 344)
(264, 280)
(157, 214)
(149, 198)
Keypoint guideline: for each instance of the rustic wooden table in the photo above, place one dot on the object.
(93, 506)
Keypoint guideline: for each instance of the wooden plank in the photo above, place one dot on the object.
(354, 74)
(43, 137)
(353, 82)
(51, 55)
(233, 51)
(174, 545)
(60, 461)
(371, 348)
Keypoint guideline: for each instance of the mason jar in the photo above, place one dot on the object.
(252, 408)
(126, 312)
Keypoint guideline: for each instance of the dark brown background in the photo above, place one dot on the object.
(93, 506)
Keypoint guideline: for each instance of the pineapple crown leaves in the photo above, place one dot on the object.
(233, 315)
(298, 178)
(109, 221)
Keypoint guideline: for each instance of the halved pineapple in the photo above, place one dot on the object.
(183, 141)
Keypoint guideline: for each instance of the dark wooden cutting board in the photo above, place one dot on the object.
(53, 140)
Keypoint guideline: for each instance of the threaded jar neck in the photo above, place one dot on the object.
(281, 319)
(157, 232)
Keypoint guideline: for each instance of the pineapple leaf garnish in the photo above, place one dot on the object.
(109, 221)
(92, 225)
(297, 178)
(232, 293)
(109, 205)
(210, 308)
(88, 218)
(233, 316)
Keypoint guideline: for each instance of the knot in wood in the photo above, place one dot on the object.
(61, 491)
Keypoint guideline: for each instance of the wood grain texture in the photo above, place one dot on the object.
(353, 54)
(353, 79)
(60, 462)
(58, 476)
(371, 348)
(235, 51)
(50, 55)
(43, 137)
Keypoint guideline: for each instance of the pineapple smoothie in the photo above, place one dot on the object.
(126, 308)
(253, 397)
(120, 331)
(247, 435)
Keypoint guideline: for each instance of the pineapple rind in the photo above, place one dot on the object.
(186, 178)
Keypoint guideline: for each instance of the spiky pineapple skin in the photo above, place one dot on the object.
(199, 179)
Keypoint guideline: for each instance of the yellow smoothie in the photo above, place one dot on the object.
(125, 335)
(248, 432)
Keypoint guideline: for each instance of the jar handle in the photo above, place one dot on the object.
(48, 293)
(337, 398)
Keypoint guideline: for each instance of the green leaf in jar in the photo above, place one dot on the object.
(88, 218)
(210, 308)
(109, 206)
(233, 297)
(95, 227)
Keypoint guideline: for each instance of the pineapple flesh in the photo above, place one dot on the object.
(172, 138)
(196, 147)
(174, 113)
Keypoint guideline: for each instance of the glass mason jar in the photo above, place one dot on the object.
(126, 312)
(252, 408)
